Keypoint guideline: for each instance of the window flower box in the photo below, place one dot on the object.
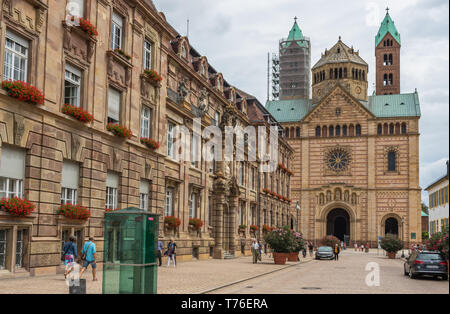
(87, 27)
(153, 77)
(77, 113)
(17, 207)
(119, 130)
(196, 224)
(122, 53)
(267, 191)
(23, 92)
(267, 228)
(76, 212)
(172, 222)
(254, 229)
(152, 144)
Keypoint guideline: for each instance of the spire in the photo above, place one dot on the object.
(296, 32)
(387, 26)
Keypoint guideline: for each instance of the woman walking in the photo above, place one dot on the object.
(337, 250)
(171, 253)
(69, 254)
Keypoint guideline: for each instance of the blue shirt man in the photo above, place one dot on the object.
(90, 250)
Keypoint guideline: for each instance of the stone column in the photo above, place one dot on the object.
(234, 205)
(218, 225)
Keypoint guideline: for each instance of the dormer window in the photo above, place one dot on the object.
(203, 70)
(183, 51)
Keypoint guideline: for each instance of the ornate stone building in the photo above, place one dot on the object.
(356, 160)
(51, 158)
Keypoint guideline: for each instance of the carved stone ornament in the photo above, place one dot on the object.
(182, 91)
(203, 101)
(75, 145)
(19, 129)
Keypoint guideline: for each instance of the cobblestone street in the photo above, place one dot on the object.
(187, 278)
(344, 276)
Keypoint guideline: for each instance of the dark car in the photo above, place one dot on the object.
(325, 252)
(426, 263)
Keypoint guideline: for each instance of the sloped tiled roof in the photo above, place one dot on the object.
(289, 110)
(340, 53)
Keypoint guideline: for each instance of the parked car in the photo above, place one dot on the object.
(426, 263)
(324, 252)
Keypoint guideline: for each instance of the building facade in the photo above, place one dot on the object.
(51, 158)
(438, 205)
(356, 160)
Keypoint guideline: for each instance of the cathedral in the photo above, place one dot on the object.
(356, 164)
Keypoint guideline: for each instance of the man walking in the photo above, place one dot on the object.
(337, 250)
(255, 249)
(88, 255)
(172, 251)
(159, 253)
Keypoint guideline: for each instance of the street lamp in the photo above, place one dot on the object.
(403, 239)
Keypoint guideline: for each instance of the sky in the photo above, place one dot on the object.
(236, 35)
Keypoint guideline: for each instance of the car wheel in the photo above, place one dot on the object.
(411, 275)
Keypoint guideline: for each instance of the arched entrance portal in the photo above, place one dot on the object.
(391, 227)
(338, 224)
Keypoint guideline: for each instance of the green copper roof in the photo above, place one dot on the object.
(424, 214)
(387, 26)
(382, 106)
(289, 110)
(295, 33)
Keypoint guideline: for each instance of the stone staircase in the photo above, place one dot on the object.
(227, 255)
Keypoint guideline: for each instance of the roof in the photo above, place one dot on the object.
(399, 105)
(340, 53)
(295, 35)
(387, 26)
(441, 179)
(424, 214)
(289, 110)
(381, 106)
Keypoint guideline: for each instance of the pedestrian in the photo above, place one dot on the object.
(255, 249)
(362, 247)
(337, 250)
(88, 255)
(69, 255)
(172, 252)
(356, 247)
(311, 248)
(159, 253)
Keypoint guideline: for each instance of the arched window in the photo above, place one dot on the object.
(331, 130)
(385, 80)
(338, 130)
(351, 130)
(297, 132)
(331, 74)
(324, 131)
(380, 129)
(391, 128)
(397, 128)
(292, 132)
(287, 132)
(336, 73)
(344, 130)
(345, 72)
(363, 75)
(403, 128)
(391, 79)
(358, 130)
(359, 75)
(390, 61)
(353, 73)
(318, 131)
(385, 60)
(386, 129)
(392, 161)
(340, 73)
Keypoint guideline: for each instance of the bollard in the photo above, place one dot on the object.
(78, 289)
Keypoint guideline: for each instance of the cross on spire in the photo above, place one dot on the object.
(387, 10)
(295, 19)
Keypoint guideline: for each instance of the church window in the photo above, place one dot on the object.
(385, 60)
(391, 129)
(364, 75)
(351, 130)
(391, 79)
(358, 130)
(345, 72)
(338, 130)
(397, 128)
(386, 129)
(390, 62)
(344, 130)
(318, 131)
(297, 132)
(353, 73)
(385, 80)
(403, 128)
(331, 74)
(324, 131)
(340, 73)
(287, 132)
(392, 161)
(380, 129)
(331, 131)
(336, 73)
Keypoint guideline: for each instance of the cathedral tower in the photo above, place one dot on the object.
(387, 53)
(340, 65)
(295, 65)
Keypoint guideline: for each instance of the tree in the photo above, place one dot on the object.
(425, 209)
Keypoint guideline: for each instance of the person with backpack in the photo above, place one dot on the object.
(171, 253)
(88, 256)
(311, 248)
(337, 250)
(69, 255)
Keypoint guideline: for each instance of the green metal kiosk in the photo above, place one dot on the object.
(131, 237)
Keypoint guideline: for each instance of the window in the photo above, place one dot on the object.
(358, 130)
(72, 86)
(331, 130)
(144, 195)
(69, 183)
(297, 132)
(16, 58)
(218, 83)
(318, 131)
(114, 97)
(195, 151)
(252, 178)
(168, 211)
(338, 130)
(117, 31)
(146, 122)
(203, 69)
(148, 58)
(241, 173)
(170, 140)
(12, 172)
(3, 248)
(192, 205)
(392, 161)
(403, 128)
(379, 129)
(112, 185)
(20, 248)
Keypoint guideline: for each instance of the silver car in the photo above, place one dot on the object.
(324, 252)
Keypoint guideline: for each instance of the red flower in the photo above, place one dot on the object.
(150, 143)
(17, 207)
(78, 113)
(119, 130)
(74, 212)
(86, 26)
(23, 92)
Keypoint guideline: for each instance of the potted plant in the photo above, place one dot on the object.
(172, 223)
(119, 130)
(23, 92)
(195, 223)
(152, 144)
(281, 241)
(330, 241)
(391, 245)
(298, 245)
(254, 229)
(17, 207)
(122, 53)
(77, 113)
(153, 77)
(76, 212)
